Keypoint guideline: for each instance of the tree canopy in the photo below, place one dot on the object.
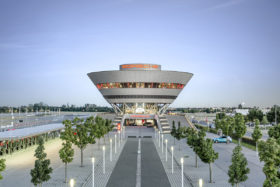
(238, 170)
(42, 170)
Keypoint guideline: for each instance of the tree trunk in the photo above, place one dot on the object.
(257, 148)
(210, 172)
(179, 146)
(104, 140)
(174, 140)
(82, 157)
(40, 184)
(99, 144)
(196, 161)
(239, 141)
(65, 173)
(237, 184)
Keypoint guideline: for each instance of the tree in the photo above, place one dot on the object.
(173, 131)
(239, 127)
(81, 134)
(41, 171)
(254, 114)
(192, 137)
(238, 169)
(66, 154)
(220, 115)
(257, 134)
(109, 126)
(179, 134)
(99, 129)
(207, 154)
(271, 114)
(274, 132)
(269, 153)
(264, 120)
(2, 167)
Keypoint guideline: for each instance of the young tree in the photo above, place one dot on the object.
(2, 167)
(238, 169)
(98, 129)
(66, 154)
(254, 114)
(42, 169)
(257, 134)
(173, 131)
(207, 154)
(81, 134)
(274, 132)
(109, 126)
(192, 137)
(269, 153)
(239, 127)
(179, 134)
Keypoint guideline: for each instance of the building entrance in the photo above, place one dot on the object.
(140, 122)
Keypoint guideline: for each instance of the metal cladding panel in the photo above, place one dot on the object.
(140, 76)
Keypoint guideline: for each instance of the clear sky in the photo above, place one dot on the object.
(231, 46)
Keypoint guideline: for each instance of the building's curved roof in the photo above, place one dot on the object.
(140, 73)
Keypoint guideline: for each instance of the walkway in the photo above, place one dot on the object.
(152, 171)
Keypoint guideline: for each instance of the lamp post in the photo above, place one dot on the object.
(158, 138)
(162, 143)
(111, 149)
(72, 182)
(166, 150)
(182, 170)
(115, 143)
(172, 169)
(119, 139)
(103, 148)
(93, 162)
(200, 182)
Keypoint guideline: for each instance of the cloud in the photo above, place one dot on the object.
(226, 4)
(13, 46)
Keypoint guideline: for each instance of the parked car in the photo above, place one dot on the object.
(222, 139)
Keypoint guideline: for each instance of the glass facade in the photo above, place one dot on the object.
(139, 85)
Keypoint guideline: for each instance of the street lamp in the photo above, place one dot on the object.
(111, 149)
(72, 182)
(172, 169)
(200, 182)
(93, 162)
(103, 148)
(182, 170)
(166, 150)
(115, 143)
(162, 143)
(159, 138)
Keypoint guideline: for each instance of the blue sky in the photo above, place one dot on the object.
(231, 46)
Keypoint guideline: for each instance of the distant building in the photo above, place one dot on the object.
(241, 111)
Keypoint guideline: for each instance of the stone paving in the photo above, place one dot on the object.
(83, 175)
(192, 174)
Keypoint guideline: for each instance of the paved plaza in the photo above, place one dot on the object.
(131, 168)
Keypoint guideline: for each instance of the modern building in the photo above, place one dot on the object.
(140, 93)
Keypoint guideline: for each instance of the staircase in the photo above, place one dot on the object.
(163, 124)
(117, 119)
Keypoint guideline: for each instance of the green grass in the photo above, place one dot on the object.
(249, 146)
